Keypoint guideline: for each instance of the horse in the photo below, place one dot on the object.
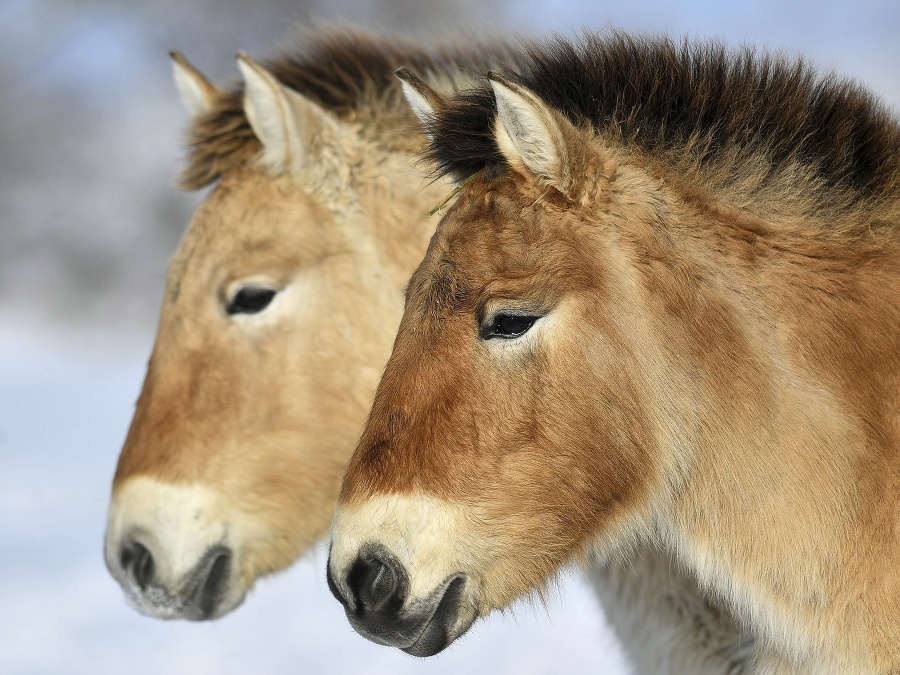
(656, 331)
(279, 312)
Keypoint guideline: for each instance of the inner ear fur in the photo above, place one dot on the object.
(539, 142)
(424, 101)
(198, 94)
(290, 126)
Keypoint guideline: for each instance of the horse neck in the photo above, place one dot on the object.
(775, 415)
(664, 622)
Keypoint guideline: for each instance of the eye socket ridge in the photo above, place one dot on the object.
(507, 325)
(250, 299)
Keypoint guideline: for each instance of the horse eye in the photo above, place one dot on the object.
(508, 326)
(250, 300)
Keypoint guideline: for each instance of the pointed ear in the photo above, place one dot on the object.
(531, 135)
(285, 122)
(424, 101)
(197, 93)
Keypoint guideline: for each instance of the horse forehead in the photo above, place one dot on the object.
(248, 212)
(249, 204)
(495, 230)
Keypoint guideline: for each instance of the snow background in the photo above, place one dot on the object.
(90, 127)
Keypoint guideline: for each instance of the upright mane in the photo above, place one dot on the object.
(348, 73)
(690, 102)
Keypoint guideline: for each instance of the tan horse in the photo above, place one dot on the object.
(280, 309)
(662, 315)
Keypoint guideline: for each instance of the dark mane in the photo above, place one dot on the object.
(664, 97)
(349, 73)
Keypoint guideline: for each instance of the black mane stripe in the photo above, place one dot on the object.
(660, 96)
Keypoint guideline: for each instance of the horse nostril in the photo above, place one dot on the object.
(376, 583)
(137, 561)
(373, 582)
(214, 581)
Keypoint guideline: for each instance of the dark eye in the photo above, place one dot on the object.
(250, 300)
(507, 326)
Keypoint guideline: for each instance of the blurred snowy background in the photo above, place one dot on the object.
(90, 128)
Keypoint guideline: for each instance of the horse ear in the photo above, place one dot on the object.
(530, 134)
(285, 122)
(197, 93)
(424, 101)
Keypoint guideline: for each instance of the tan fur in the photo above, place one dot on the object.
(717, 374)
(263, 411)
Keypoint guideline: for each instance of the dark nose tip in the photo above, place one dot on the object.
(376, 584)
(137, 561)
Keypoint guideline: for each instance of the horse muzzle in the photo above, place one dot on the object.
(375, 592)
(175, 551)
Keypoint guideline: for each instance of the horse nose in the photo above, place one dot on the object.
(137, 562)
(374, 590)
(375, 584)
(195, 595)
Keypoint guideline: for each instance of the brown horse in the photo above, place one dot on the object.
(280, 308)
(662, 315)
